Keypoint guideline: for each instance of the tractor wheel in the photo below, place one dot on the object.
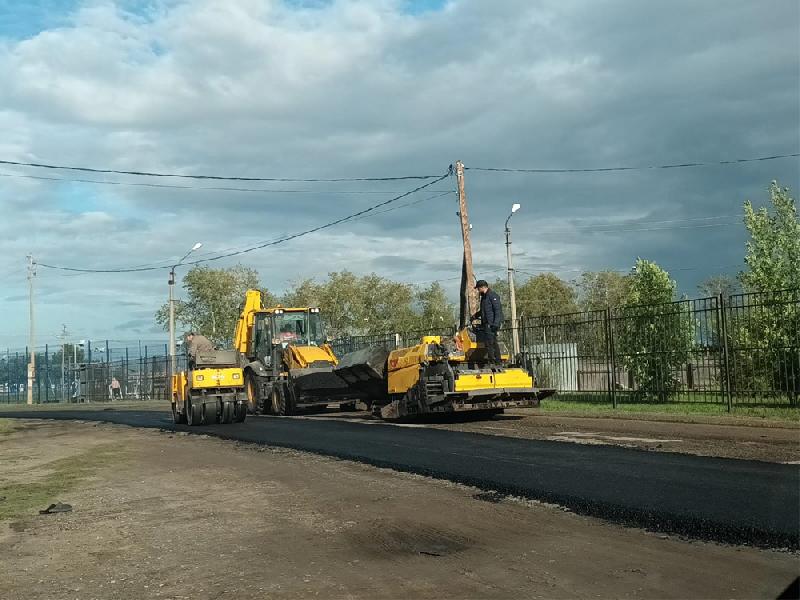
(227, 413)
(193, 413)
(210, 413)
(179, 418)
(240, 412)
(253, 393)
(281, 402)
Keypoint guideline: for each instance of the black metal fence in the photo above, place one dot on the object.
(740, 350)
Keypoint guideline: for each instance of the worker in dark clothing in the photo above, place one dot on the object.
(491, 315)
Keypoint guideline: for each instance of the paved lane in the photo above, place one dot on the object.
(721, 499)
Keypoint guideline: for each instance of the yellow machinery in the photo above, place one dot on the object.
(287, 362)
(438, 376)
(210, 391)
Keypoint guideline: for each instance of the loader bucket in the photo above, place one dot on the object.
(364, 371)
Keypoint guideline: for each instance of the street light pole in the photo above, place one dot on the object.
(512, 293)
(197, 246)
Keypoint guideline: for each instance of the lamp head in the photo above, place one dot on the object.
(197, 246)
(515, 207)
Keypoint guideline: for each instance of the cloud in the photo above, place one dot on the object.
(345, 88)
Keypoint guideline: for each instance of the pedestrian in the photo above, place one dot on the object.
(116, 389)
(196, 343)
(491, 316)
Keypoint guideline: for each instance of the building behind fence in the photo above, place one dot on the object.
(740, 350)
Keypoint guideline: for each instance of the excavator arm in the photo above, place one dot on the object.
(242, 337)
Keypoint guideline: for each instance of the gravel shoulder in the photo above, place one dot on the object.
(165, 515)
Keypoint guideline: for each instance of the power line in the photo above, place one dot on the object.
(263, 245)
(639, 168)
(192, 187)
(214, 177)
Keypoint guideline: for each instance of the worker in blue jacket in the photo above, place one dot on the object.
(491, 316)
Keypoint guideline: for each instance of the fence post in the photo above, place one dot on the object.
(46, 375)
(726, 381)
(612, 380)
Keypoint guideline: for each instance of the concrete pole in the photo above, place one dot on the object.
(171, 322)
(32, 343)
(512, 294)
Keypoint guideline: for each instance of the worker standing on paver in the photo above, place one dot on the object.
(196, 343)
(491, 315)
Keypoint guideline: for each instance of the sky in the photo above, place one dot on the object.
(345, 89)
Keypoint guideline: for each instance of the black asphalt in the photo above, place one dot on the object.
(725, 500)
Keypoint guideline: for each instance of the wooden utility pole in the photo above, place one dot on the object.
(32, 342)
(469, 295)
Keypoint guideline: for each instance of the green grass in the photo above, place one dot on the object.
(25, 499)
(628, 409)
(6, 426)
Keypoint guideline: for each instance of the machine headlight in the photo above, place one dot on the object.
(235, 376)
(198, 378)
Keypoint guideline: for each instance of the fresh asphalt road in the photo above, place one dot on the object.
(720, 499)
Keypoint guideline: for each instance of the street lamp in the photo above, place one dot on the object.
(197, 246)
(514, 331)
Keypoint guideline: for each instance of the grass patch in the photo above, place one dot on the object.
(24, 499)
(6, 426)
(783, 413)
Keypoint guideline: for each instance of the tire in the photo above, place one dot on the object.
(210, 413)
(227, 413)
(281, 402)
(252, 390)
(179, 418)
(193, 413)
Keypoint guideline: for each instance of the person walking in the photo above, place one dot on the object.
(491, 316)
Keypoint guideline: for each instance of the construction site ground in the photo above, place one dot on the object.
(772, 440)
(158, 514)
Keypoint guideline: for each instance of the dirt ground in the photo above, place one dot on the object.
(162, 515)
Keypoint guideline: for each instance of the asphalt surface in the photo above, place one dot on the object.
(725, 500)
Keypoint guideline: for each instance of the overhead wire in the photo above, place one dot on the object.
(635, 168)
(212, 177)
(273, 242)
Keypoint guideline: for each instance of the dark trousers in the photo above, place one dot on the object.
(489, 339)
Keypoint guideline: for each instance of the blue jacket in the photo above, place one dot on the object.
(491, 311)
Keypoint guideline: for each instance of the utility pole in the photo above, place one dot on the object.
(32, 343)
(511, 292)
(63, 352)
(171, 282)
(469, 295)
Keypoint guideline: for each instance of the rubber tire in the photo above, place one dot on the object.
(251, 389)
(240, 412)
(210, 419)
(179, 418)
(227, 413)
(193, 413)
(281, 402)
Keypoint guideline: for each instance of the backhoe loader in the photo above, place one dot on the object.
(286, 360)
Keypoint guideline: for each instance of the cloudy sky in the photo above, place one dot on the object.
(343, 89)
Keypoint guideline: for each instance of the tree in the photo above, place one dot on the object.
(773, 250)
(773, 277)
(435, 311)
(545, 295)
(214, 299)
(653, 333)
(719, 284)
(598, 290)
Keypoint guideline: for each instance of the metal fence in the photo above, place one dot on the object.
(89, 373)
(740, 350)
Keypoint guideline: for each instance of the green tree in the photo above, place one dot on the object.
(213, 303)
(719, 284)
(653, 333)
(773, 250)
(770, 327)
(598, 290)
(545, 295)
(435, 311)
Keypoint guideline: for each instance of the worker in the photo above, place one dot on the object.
(491, 315)
(196, 343)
